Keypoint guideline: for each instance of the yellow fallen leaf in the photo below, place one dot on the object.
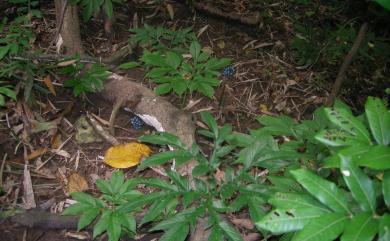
(77, 183)
(127, 155)
(221, 44)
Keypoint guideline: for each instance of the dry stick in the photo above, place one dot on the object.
(59, 26)
(347, 61)
(114, 113)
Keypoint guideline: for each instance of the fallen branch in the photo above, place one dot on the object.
(347, 61)
(252, 19)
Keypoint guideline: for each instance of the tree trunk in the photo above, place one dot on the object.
(68, 21)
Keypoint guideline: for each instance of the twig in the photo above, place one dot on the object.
(2, 169)
(100, 130)
(347, 61)
(114, 113)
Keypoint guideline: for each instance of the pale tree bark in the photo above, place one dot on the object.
(70, 28)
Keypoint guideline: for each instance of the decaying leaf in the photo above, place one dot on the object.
(127, 155)
(77, 183)
(170, 11)
(49, 84)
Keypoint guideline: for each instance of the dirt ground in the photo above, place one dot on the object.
(266, 81)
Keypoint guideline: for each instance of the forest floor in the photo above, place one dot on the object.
(267, 81)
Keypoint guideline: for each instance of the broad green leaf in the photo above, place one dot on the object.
(3, 51)
(163, 138)
(354, 152)
(200, 170)
(103, 186)
(163, 89)
(178, 232)
(155, 210)
(284, 184)
(325, 191)
(326, 228)
(173, 60)
(195, 49)
(335, 137)
(163, 157)
(251, 153)
(129, 65)
(376, 158)
(108, 8)
(76, 209)
(87, 218)
(347, 122)
(230, 232)
(216, 234)
(386, 188)
(286, 220)
(378, 119)
(168, 223)
(127, 221)
(159, 183)
(116, 181)
(146, 199)
(362, 227)
(114, 227)
(281, 125)
(361, 186)
(384, 228)
(283, 200)
(210, 122)
(384, 3)
(83, 198)
(179, 180)
(102, 223)
(206, 90)
(8, 92)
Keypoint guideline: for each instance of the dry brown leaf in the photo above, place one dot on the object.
(49, 84)
(66, 63)
(127, 155)
(36, 153)
(29, 200)
(77, 183)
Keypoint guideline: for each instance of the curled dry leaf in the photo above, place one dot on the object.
(49, 84)
(77, 183)
(126, 155)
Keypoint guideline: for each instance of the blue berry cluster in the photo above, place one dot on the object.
(136, 122)
(228, 71)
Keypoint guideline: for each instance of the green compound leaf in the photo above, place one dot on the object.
(87, 218)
